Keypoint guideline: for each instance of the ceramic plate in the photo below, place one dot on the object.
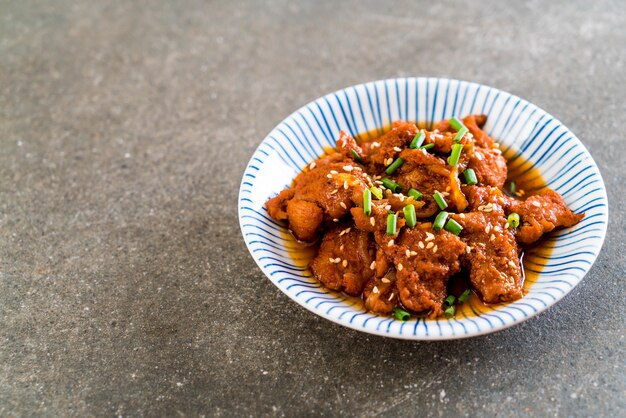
(529, 137)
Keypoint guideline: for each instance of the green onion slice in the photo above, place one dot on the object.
(376, 192)
(401, 314)
(453, 227)
(392, 185)
(441, 202)
(440, 220)
(470, 177)
(409, 215)
(450, 300)
(427, 146)
(367, 202)
(456, 124)
(465, 295)
(513, 220)
(356, 155)
(418, 140)
(512, 188)
(394, 166)
(459, 135)
(450, 311)
(455, 154)
(415, 194)
(391, 224)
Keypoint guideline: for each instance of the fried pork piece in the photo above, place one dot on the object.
(424, 260)
(380, 294)
(487, 198)
(387, 148)
(344, 259)
(428, 173)
(322, 193)
(489, 166)
(493, 257)
(541, 213)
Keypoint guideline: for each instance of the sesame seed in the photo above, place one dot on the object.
(401, 198)
(400, 267)
(385, 280)
(434, 249)
(390, 297)
(348, 167)
(344, 263)
(462, 215)
(488, 210)
(429, 236)
(390, 243)
(345, 184)
(413, 253)
(374, 145)
(506, 225)
(397, 149)
(497, 228)
(373, 265)
(312, 165)
(536, 203)
(333, 172)
(445, 194)
(468, 249)
(478, 156)
(334, 191)
(420, 244)
(335, 220)
(343, 205)
(429, 245)
(512, 263)
(408, 253)
(487, 228)
(341, 248)
(330, 176)
(495, 145)
(332, 260)
(375, 289)
(373, 221)
(497, 151)
(387, 207)
(492, 237)
(447, 188)
(378, 182)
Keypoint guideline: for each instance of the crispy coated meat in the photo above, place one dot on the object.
(380, 294)
(493, 257)
(489, 166)
(384, 150)
(541, 213)
(424, 261)
(321, 194)
(344, 259)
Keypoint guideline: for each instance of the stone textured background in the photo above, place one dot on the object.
(125, 286)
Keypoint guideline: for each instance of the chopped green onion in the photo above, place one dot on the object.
(512, 188)
(376, 192)
(409, 215)
(441, 202)
(450, 311)
(440, 220)
(394, 166)
(453, 227)
(427, 146)
(450, 300)
(392, 185)
(513, 220)
(418, 140)
(456, 154)
(415, 194)
(401, 314)
(465, 295)
(470, 177)
(391, 224)
(459, 135)
(456, 124)
(356, 155)
(367, 202)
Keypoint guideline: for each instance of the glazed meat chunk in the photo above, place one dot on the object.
(344, 259)
(541, 213)
(489, 166)
(428, 173)
(424, 261)
(320, 194)
(387, 148)
(492, 256)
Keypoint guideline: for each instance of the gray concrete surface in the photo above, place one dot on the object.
(125, 286)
